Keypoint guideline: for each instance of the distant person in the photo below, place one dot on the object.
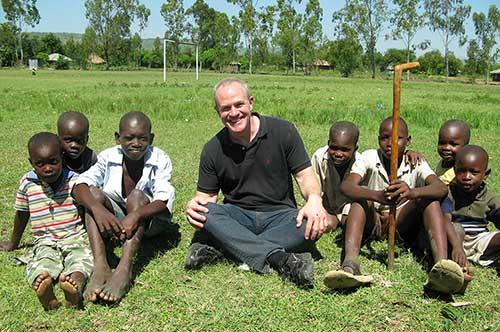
(128, 196)
(470, 206)
(61, 248)
(332, 164)
(73, 130)
(416, 192)
(252, 161)
(453, 136)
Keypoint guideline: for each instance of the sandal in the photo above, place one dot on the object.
(343, 279)
(446, 276)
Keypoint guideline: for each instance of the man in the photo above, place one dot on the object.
(251, 161)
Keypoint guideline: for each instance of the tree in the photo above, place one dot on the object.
(406, 21)
(266, 18)
(111, 21)
(74, 50)
(288, 34)
(394, 56)
(7, 45)
(312, 31)
(247, 25)
(89, 43)
(473, 63)
(52, 44)
(447, 19)
(486, 28)
(136, 49)
(345, 52)
(20, 13)
(177, 26)
(367, 18)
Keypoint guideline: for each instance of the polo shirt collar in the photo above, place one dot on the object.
(263, 130)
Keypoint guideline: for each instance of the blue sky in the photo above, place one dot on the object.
(69, 16)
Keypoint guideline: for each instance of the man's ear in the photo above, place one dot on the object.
(117, 137)
(151, 138)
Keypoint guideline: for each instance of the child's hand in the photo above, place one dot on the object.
(398, 192)
(7, 246)
(107, 223)
(129, 224)
(380, 196)
(414, 158)
(458, 255)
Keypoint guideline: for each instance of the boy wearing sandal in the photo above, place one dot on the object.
(61, 248)
(416, 193)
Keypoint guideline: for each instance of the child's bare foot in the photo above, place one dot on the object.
(44, 289)
(72, 286)
(116, 287)
(98, 279)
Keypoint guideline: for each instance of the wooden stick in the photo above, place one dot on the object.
(398, 70)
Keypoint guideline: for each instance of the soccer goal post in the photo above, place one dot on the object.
(165, 41)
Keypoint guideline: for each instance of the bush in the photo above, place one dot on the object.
(62, 63)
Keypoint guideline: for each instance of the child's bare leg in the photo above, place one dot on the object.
(44, 289)
(101, 271)
(119, 283)
(72, 286)
(493, 247)
(355, 224)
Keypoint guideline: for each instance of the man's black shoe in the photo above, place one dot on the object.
(201, 254)
(299, 269)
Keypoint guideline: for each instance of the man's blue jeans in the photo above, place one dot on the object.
(251, 236)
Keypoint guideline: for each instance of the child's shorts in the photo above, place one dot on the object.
(157, 225)
(345, 211)
(60, 256)
(475, 246)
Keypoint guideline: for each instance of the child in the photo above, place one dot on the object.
(128, 196)
(471, 205)
(61, 248)
(453, 136)
(73, 130)
(331, 164)
(416, 192)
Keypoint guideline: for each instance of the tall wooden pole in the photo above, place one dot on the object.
(398, 70)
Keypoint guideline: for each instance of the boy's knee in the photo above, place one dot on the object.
(98, 194)
(136, 198)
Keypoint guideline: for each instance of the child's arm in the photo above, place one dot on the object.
(350, 188)
(20, 221)
(146, 212)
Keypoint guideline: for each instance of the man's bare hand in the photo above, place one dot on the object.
(315, 215)
(195, 212)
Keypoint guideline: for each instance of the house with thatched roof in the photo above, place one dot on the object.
(321, 64)
(95, 59)
(495, 75)
(54, 57)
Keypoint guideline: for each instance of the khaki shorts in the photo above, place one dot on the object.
(476, 245)
(57, 257)
(157, 225)
(345, 211)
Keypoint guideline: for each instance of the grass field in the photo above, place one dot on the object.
(223, 298)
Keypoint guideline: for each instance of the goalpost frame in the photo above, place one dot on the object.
(165, 41)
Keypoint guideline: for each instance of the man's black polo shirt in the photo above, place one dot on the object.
(257, 176)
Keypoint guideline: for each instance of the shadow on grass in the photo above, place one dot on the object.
(345, 291)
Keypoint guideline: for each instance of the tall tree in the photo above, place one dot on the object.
(52, 44)
(312, 31)
(345, 52)
(447, 17)
(176, 24)
(473, 63)
(486, 28)
(367, 18)
(204, 24)
(247, 25)
(266, 18)
(111, 21)
(20, 13)
(288, 34)
(406, 21)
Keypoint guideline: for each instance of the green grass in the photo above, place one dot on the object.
(221, 297)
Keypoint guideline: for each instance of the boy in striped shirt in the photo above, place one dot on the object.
(61, 249)
(471, 205)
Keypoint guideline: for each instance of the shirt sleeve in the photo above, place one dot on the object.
(360, 165)
(494, 211)
(315, 163)
(296, 154)
(425, 170)
(162, 188)
(21, 203)
(447, 206)
(208, 181)
(94, 176)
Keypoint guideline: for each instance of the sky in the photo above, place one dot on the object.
(69, 16)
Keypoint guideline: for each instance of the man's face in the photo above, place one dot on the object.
(384, 140)
(470, 171)
(450, 141)
(74, 137)
(234, 107)
(134, 138)
(341, 148)
(47, 162)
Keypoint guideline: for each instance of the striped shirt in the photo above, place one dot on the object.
(53, 214)
(472, 212)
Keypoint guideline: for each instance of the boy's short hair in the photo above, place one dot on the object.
(475, 150)
(44, 138)
(138, 116)
(462, 125)
(402, 123)
(344, 127)
(73, 116)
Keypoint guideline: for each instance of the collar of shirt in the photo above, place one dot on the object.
(263, 130)
(404, 168)
(66, 174)
(460, 195)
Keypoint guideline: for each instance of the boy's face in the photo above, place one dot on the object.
(74, 137)
(47, 162)
(450, 141)
(341, 148)
(134, 138)
(470, 171)
(384, 139)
